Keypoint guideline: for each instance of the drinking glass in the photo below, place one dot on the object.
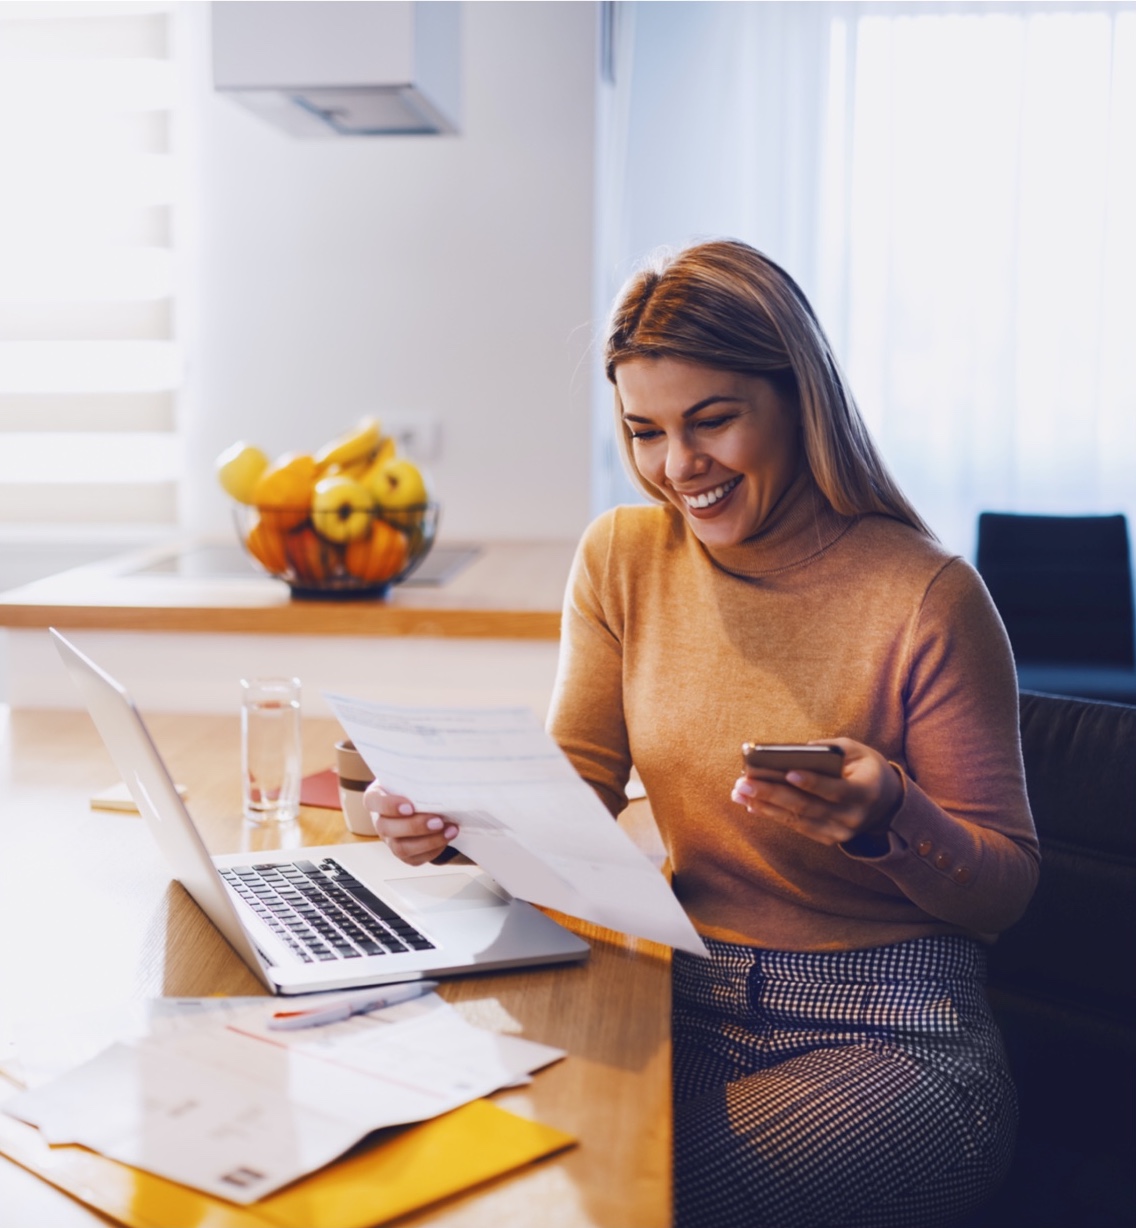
(270, 749)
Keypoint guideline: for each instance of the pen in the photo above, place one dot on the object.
(333, 1012)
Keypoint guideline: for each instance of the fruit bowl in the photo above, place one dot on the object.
(379, 549)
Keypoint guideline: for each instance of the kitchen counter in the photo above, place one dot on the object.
(509, 590)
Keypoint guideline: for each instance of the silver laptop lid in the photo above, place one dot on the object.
(134, 754)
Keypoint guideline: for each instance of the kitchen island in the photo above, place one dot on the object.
(180, 624)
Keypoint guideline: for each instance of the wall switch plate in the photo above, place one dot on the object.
(418, 437)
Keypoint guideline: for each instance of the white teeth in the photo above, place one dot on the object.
(710, 497)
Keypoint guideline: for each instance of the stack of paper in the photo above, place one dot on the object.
(237, 1110)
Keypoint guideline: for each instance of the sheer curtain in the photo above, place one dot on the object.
(955, 187)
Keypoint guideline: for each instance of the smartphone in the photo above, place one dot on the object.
(788, 757)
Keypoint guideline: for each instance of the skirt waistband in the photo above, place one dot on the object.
(939, 958)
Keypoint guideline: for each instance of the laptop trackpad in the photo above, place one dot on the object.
(445, 892)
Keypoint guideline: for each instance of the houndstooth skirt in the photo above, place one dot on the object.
(861, 1089)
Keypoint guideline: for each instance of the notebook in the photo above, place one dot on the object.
(326, 917)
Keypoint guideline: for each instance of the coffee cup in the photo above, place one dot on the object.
(353, 777)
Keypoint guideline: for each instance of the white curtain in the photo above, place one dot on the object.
(954, 185)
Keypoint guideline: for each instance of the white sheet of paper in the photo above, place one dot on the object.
(220, 1131)
(526, 816)
(237, 1110)
(46, 1046)
(426, 1036)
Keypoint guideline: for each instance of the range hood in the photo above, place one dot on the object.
(327, 69)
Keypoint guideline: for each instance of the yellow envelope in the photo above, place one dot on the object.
(407, 1169)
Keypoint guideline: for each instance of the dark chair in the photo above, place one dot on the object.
(1063, 586)
(1063, 980)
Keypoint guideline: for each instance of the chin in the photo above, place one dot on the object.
(714, 533)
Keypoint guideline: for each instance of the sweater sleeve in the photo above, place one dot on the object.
(962, 845)
(586, 713)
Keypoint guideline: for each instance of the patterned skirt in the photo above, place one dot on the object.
(860, 1089)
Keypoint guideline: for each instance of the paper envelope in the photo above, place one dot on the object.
(405, 1170)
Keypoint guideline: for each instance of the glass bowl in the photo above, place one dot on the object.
(360, 557)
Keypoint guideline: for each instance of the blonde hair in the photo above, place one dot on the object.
(723, 304)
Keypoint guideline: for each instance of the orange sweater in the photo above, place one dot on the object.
(820, 626)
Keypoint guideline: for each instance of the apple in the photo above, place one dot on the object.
(341, 508)
(397, 485)
(239, 468)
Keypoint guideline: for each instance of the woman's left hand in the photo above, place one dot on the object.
(827, 809)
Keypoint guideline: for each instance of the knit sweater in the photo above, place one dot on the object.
(819, 626)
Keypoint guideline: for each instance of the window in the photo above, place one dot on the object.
(990, 255)
(89, 356)
(954, 185)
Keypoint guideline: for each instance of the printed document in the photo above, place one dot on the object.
(238, 1110)
(526, 816)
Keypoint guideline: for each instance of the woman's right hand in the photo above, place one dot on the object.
(412, 837)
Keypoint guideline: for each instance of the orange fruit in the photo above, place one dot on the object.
(266, 546)
(308, 555)
(283, 493)
(374, 559)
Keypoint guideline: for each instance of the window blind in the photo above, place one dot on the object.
(90, 363)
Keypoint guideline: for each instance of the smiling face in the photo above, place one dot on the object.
(721, 446)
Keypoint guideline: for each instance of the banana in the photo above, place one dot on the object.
(386, 452)
(357, 445)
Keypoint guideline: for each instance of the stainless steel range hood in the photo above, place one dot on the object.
(327, 69)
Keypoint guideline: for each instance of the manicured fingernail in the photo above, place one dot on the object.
(434, 824)
(450, 832)
(406, 808)
(746, 789)
(794, 778)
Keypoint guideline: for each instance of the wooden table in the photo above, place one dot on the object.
(122, 929)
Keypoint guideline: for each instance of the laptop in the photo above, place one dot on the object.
(337, 916)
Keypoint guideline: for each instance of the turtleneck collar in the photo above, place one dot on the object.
(801, 525)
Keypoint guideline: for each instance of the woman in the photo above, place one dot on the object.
(834, 1060)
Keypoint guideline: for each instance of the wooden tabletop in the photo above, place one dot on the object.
(119, 929)
(511, 590)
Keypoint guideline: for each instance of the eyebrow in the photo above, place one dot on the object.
(686, 413)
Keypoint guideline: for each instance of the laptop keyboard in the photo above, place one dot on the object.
(322, 912)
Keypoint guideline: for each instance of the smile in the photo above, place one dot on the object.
(709, 497)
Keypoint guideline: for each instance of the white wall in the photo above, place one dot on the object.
(442, 275)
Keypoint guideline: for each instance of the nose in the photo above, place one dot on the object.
(683, 461)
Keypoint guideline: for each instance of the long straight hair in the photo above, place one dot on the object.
(723, 304)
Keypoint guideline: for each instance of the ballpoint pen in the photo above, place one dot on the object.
(344, 1008)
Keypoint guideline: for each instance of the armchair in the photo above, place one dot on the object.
(1063, 586)
(1062, 982)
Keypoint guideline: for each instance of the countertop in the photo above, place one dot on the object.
(509, 590)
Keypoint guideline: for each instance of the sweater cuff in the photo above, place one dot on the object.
(921, 830)
(875, 844)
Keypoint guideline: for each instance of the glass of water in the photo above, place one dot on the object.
(270, 749)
